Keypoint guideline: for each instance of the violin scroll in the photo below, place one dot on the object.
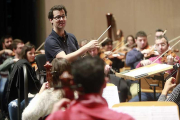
(48, 67)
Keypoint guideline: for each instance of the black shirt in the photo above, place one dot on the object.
(55, 44)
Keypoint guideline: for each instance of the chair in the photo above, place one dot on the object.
(41, 61)
(22, 80)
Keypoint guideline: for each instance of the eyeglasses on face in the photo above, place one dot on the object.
(59, 17)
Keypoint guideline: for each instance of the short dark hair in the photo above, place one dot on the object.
(25, 49)
(106, 42)
(5, 37)
(159, 30)
(15, 42)
(56, 7)
(141, 34)
(59, 65)
(89, 72)
(162, 36)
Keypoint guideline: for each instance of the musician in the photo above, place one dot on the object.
(130, 41)
(17, 46)
(116, 62)
(41, 105)
(27, 57)
(161, 44)
(89, 72)
(137, 54)
(61, 44)
(7, 48)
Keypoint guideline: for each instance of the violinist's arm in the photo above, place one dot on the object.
(44, 87)
(6, 64)
(6, 51)
(74, 55)
(63, 103)
(145, 62)
(168, 85)
(133, 56)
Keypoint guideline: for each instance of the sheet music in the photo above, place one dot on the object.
(110, 93)
(145, 70)
(150, 112)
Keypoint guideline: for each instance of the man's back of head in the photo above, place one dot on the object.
(89, 72)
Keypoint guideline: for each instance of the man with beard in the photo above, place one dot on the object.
(17, 46)
(6, 45)
(60, 44)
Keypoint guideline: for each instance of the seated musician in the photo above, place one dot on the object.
(134, 56)
(162, 45)
(137, 54)
(17, 46)
(42, 104)
(116, 61)
(129, 42)
(174, 96)
(6, 51)
(89, 72)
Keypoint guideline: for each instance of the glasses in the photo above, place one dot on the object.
(59, 17)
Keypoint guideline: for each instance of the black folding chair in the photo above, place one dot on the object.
(41, 61)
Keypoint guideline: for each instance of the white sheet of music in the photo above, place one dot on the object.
(150, 112)
(110, 93)
(144, 70)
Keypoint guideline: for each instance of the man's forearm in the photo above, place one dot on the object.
(74, 55)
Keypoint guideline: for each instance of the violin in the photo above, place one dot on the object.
(67, 83)
(69, 86)
(172, 53)
(48, 67)
(104, 57)
(34, 65)
(167, 51)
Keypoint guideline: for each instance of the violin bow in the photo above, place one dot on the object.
(103, 40)
(164, 32)
(174, 39)
(103, 33)
(40, 46)
(165, 52)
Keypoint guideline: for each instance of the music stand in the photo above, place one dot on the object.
(142, 72)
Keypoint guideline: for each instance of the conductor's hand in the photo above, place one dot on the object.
(145, 62)
(92, 44)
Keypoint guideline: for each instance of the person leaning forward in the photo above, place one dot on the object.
(61, 44)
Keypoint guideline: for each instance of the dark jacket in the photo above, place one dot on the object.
(16, 80)
(133, 57)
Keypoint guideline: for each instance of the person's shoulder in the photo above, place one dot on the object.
(132, 51)
(71, 35)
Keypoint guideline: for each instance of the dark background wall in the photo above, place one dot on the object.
(18, 18)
